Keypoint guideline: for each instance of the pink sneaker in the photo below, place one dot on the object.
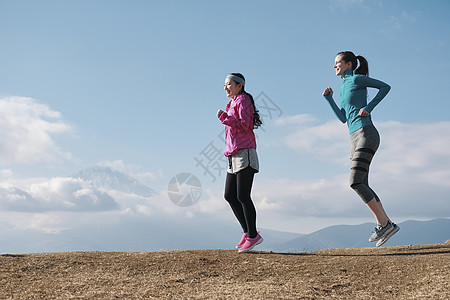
(244, 238)
(250, 243)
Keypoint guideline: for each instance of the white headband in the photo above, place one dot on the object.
(236, 78)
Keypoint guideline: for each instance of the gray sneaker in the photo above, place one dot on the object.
(381, 231)
(387, 236)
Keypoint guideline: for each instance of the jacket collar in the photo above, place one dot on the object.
(348, 73)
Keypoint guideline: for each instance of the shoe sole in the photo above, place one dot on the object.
(387, 236)
(255, 244)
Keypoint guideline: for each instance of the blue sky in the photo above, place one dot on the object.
(135, 85)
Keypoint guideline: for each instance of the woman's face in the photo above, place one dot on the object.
(341, 66)
(232, 88)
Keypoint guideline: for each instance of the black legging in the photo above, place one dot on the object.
(237, 192)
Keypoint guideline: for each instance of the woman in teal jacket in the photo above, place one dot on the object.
(356, 112)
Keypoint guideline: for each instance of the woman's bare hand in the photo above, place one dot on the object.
(363, 113)
(327, 91)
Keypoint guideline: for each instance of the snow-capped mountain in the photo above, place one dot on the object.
(105, 178)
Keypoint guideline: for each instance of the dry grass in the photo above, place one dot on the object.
(409, 272)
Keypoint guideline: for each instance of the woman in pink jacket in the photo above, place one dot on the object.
(240, 118)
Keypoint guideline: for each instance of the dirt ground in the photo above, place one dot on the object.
(407, 272)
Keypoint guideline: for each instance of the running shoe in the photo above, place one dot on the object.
(387, 236)
(380, 231)
(250, 243)
(243, 239)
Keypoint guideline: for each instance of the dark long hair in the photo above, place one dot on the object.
(256, 117)
(363, 64)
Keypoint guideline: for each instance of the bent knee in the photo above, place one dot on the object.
(230, 197)
(354, 185)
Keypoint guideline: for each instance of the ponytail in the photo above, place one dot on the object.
(256, 117)
(363, 68)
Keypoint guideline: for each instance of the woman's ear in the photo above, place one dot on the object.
(350, 65)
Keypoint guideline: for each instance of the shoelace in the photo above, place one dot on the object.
(379, 227)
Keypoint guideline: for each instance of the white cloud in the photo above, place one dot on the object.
(26, 130)
(6, 174)
(43, 222)
(324, 140)
(397, 24)
(405, 148)
(414, 149)
(297, 120)
(291, 198)
(410, 173)
(26, 203)
(212, 202)
(56, 194)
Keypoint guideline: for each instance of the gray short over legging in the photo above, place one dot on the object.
(365, 142)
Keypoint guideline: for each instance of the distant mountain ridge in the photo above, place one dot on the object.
(356, 236)
(108, 179)
(144, 234)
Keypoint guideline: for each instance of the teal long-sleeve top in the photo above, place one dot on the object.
(353, 96)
